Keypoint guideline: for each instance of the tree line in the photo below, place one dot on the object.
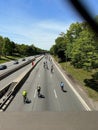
(8, 47)
(79, 46)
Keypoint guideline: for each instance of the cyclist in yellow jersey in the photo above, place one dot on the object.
(24, 94)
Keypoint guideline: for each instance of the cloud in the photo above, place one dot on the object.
(41, 33)
(53, 25)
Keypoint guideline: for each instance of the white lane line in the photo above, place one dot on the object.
(76, 93)
(55, 93)
(35, 93)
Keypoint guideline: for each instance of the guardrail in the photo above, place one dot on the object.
(12, 89)
(4, 90)
(4, 75)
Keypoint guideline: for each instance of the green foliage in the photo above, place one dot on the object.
(8, 47)
(95, 76)
(1, 44)
(59, 48)
(79, 45)
(87, 79)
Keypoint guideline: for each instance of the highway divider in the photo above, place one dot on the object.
(4, 75)
(4, 90)
(9, 92)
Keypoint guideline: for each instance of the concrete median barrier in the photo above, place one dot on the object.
(12, 89)
(4, 75)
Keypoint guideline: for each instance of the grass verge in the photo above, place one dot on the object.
(8, 58)
(82, 76)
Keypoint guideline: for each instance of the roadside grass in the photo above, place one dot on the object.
(3, 60)
(82, 76)
(8, 58)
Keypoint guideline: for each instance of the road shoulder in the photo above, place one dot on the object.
(92, 104)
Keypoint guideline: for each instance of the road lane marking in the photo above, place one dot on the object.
(55, 93)
(76, 93)
(35, 93)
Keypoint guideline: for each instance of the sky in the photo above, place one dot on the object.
(38, 22)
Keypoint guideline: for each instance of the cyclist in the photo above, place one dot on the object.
(24, 94)
(32, 63)
(38, 90)
(62, 86)
(52, 69)
(44, 65)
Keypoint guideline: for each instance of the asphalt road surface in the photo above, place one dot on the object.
(10, 65)
(54, 99)
(4, 82)
(57, 110)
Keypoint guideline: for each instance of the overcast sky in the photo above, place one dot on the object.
(38, 22)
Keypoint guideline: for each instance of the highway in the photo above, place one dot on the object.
(57, 110)
(54, 99)
(16, 74)
(10, 65)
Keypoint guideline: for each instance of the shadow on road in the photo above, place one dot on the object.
(28, 101)
(41, 96)
(64, 91)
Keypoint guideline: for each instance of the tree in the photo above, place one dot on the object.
(83, 51)
(52, 50)
(72, 34)
(60, 48)
(1, 45)
(6, 49)
(12, 48)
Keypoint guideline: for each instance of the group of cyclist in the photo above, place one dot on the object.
(45, 65)
(24, 93)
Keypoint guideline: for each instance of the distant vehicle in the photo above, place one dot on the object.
(16, 62)
(2, 67)
(23, 59)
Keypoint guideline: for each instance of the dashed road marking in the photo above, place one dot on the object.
(35, 93)
(55, 93)
(76, 93)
